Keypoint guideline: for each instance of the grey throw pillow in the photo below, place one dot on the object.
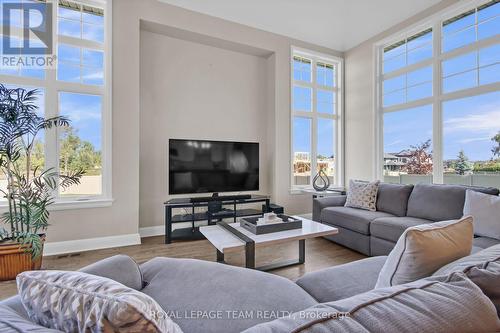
(362, 195)
(80, 302)
(423, 249)
(483, 268)
(485, 209)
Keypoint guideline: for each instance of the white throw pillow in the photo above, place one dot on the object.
(423, 249)
(485, 209)
(362, 195)
(79, 302)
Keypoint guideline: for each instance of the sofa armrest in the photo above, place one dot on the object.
(320, 203)
(342, 281)
(120, 268)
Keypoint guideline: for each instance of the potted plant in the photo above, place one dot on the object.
(28, 190)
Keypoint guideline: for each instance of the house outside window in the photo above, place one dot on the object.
(438, 99)
(316, 121)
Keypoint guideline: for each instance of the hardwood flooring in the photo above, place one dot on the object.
(320, 253)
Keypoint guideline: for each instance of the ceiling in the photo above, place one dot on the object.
(337, 24)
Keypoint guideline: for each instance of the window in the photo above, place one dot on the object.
(407, 145)
(408, 51)
(78, 88)
(439, 112)
(471, 26)
(471, 143)
(316, 118)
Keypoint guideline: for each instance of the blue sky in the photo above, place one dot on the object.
(85, 114)
(468, 124)
(302, 137)
(325, 104)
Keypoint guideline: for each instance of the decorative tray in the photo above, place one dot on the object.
(283, 223)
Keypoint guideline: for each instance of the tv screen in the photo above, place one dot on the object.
(202, 166)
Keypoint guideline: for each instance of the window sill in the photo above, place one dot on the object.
(74, 204)
(311, 190)
(298, 190)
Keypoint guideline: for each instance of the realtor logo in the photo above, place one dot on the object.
(27, 31)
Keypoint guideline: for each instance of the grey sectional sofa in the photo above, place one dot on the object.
(398, 207)
(190, 291)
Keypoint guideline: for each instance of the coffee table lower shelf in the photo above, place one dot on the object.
(250, 252)
(250, 259)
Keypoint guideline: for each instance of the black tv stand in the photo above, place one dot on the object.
(189, 205)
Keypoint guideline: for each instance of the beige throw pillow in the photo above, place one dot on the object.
(79, 302)
(423, 249)
(362, 195)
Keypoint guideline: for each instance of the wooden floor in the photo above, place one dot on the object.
(320, 253)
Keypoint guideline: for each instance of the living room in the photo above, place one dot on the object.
(179, 150)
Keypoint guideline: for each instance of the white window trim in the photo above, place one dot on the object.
(314, 115)
(52, 87)
(434, 21)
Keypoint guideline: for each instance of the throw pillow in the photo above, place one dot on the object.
(485, 209)
(362, 195)
(80, 302)
(483, 268)
(423, 249)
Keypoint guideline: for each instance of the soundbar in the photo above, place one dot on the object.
(222, 198)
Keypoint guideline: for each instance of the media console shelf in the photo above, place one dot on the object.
(192, 216)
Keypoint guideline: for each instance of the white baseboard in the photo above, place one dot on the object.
(80, 245)
(158, 230)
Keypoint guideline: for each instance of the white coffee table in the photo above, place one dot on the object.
(235, 239)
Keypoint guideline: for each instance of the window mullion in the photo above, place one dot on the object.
(437, 126)
(52, 110)
(314, 122)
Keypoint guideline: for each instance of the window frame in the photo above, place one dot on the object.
(438, 97)
(54, 87)
(314, 115)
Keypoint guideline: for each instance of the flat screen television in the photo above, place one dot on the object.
(203, 166)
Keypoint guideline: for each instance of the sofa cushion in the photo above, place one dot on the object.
(423, 249)
(12, 322)
(483, 268)
(485, 209)
(440, 202)
(80, 302)
(430, 305)
(193, 289)
(362, 195)
(119, 268)
(342, 281)
(351, 218)
(380, 247)
(393, 198)
(485, 242)
(391, 228)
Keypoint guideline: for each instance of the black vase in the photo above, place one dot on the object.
(321, 181)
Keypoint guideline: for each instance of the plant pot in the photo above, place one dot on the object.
(14, 260)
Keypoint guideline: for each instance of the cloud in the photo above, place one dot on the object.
(394, 143)
(470, 140)
(81, 108)
(485, 123)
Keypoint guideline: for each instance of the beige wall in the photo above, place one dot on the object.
(359, 100)
(122, 218)
(195, 91)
